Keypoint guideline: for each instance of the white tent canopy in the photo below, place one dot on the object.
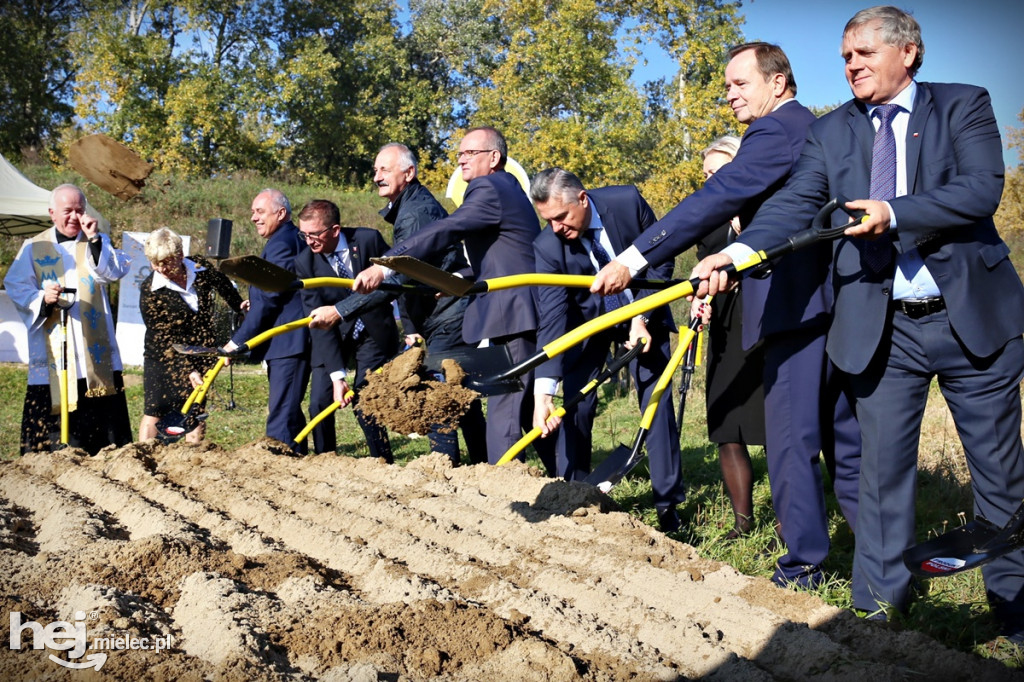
(23, 204)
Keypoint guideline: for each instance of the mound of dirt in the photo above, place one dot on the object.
(252, 566)
(405, 397)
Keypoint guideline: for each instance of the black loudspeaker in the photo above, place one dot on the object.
(218, 238)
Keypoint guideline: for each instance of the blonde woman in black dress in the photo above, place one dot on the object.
(177, 306)
(735, 390)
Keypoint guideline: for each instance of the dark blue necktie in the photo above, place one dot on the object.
(341, 270)
(878, 253)
(612, 301)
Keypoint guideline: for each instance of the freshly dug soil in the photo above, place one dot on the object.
(264, 567)
(405, 397)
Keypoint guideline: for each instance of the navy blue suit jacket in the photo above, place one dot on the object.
(954, 181)
(364, 243)
(624, 214)
(792, 297)
(498, 223)
(269, 309)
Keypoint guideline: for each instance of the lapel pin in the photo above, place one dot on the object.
(916, 134)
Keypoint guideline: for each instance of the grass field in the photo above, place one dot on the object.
(953, 610)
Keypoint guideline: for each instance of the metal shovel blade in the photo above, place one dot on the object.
(445, 282)
(173, 426)
(969, 546)
(478, 363)
(613, 468)
(260, 273)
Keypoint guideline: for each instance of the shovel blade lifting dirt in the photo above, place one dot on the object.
(479, 363)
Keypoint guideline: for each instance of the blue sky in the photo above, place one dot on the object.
(966, 41)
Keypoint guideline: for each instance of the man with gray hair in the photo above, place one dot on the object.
(72, 256)
(588, 228)
(286, 355)
(436, 322)
(924, 289)
(498, 224)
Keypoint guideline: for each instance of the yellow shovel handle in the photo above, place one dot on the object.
(199, 392)
(276, 331)
(531, 436)
(665, 380)
(537, 279)
(610, 319)
(320, 417)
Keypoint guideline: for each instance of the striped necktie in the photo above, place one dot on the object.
(878, 253)
(341, 270)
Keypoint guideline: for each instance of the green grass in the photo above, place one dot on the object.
(952, 610)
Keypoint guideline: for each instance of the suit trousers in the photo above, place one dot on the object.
(983, 395)
(806, 415)
(511, 414)
(287, 378)
(575, 440)
(370, 354)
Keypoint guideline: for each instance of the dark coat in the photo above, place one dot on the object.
(953, 144)
(330, 346)
(498, 224)
(411, 210)
(268, 309)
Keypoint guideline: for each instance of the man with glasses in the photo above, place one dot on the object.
(286, 355)
(369, 338)
(498, 224)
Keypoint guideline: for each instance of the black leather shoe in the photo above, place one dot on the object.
(668, 520)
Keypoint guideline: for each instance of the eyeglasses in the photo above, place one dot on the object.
(471, 153)
(318, 236)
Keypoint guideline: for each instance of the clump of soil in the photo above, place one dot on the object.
(406, 397)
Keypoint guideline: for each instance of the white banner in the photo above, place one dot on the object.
(13, 335)
(131, 332)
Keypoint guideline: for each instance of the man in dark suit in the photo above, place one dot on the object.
(286, 355)
(805, 410)
(369, 338)
(587, 229)
(923, 288)
(498, 224)
(426, 319)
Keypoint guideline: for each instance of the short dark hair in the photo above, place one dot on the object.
(770, 61)
(556, 182)
(322, 210)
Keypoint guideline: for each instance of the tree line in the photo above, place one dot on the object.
(308, 90)
(311, 89)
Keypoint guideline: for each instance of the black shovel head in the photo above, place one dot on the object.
(445, 282)
(260, 273)
(969, 546)
(478, 363)
(175, 425)
(613, 468)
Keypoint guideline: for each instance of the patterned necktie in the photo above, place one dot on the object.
(612, 301)
(341, 270)
(878, 253)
